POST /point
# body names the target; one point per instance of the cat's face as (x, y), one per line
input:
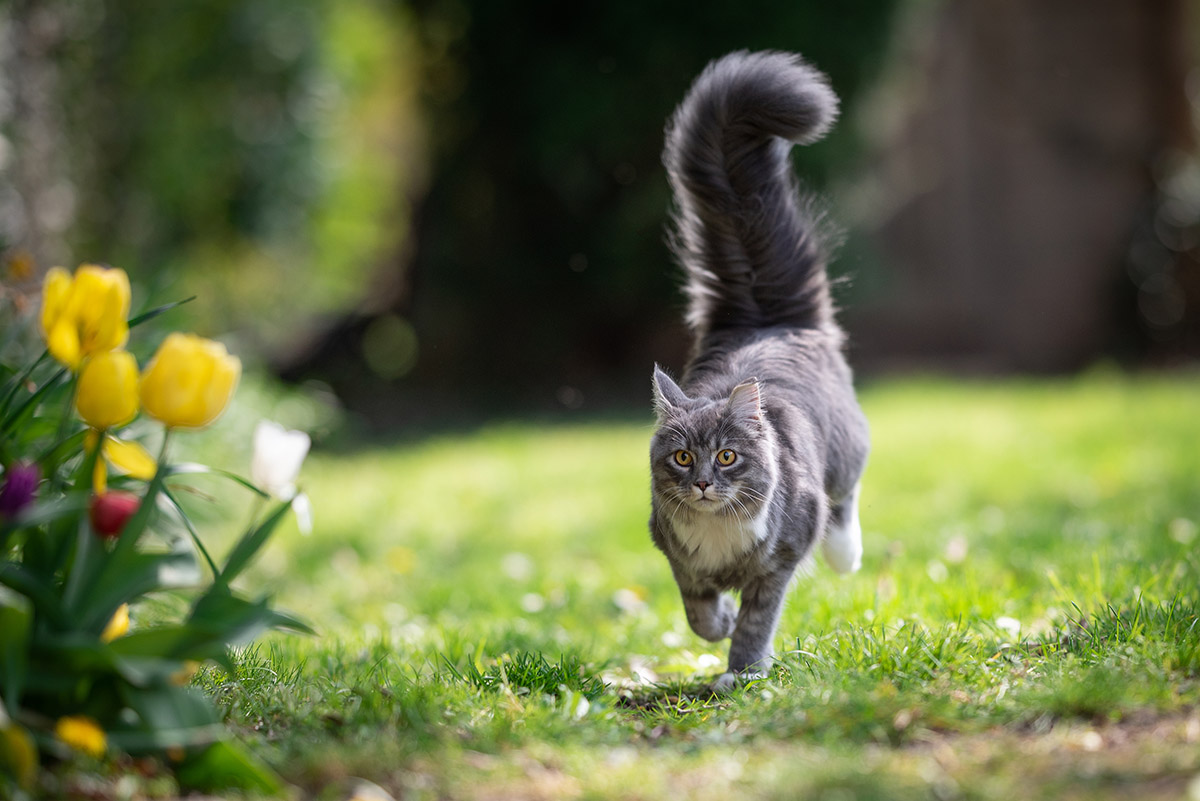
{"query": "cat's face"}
(711, 457)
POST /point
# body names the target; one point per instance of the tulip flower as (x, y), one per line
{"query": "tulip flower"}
(126, 456)
(18, 754)
(275, 464)
(118, 626)
(189, 381)
(83, 734)
(278, 455)
(108, 389)
(186, 673)
(84, 314)
(20, 484)
(129, 457)
(110, 511)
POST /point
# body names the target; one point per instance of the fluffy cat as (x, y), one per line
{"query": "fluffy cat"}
(759, 448)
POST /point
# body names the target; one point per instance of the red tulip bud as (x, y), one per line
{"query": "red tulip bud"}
(110, 511)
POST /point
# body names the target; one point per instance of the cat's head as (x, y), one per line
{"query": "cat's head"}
(711, 456)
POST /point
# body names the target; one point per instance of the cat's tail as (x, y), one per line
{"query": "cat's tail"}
(743, 234)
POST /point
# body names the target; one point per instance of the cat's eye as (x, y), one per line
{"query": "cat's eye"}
(683, 458)
(726, 457)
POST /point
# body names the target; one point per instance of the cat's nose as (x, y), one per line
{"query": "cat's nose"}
(703, 485)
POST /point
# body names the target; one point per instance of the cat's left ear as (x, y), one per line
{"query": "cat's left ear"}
(745, 402)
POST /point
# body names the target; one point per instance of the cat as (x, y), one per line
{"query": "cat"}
(758, 451)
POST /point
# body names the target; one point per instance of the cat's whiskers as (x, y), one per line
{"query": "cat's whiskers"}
(742, 507)
(680, 500)
(762, 498)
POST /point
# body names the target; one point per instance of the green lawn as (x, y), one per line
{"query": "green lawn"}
(495, 624)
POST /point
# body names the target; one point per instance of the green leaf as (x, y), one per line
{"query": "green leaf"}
(227, 766)
(251, 542)
(289, 622)
(18, 381)
(32, 400)
(59, 452)
(169, 717)
(107, 580)
(41, 512)
(62, 511)
(152, 313)
(193, 468)
(140, 573)
(174, 642)
(75, 652)
(234, 620)
(191, 530)
(16, 621)
(45, 601)
(167, 708)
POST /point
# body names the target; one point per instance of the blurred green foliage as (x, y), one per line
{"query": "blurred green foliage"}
(540, 254)
(254, 154)
(447, 193)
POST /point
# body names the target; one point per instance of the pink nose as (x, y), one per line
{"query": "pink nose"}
(703, 485)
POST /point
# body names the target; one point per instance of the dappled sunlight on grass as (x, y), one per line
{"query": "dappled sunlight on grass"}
(493, 599)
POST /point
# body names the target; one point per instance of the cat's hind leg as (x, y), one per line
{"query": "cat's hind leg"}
(842, 545)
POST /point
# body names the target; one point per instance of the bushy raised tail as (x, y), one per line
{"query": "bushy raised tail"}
(742, 233)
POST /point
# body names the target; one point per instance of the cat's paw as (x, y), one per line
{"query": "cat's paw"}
(843, 554)
(727, 682)
(843, 540)
(714, 620)
(724, 683)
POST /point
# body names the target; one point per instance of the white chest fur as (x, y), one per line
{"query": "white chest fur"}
(715, 540)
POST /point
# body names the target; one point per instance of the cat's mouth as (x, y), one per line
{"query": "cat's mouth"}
(705, 502)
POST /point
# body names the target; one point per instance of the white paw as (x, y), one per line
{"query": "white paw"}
(843, 551)
(842, 545)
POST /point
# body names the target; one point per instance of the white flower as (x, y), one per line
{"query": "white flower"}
(303, 510)
(278, 455)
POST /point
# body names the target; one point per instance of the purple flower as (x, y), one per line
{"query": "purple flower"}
(20, 484)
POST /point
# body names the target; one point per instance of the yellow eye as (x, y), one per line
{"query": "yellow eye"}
(726, 457)
(683, 458)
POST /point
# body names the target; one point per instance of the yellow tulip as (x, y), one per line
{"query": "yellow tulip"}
(108, 389)
(184, 675)
(83, 734)
(85, 313)
(127, 456)
(189, 381)
(130, 458)
(118, 626)
(18, 754)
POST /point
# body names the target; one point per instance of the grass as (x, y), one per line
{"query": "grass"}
(495, 623)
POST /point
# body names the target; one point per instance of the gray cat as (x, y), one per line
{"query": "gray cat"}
(759, 449)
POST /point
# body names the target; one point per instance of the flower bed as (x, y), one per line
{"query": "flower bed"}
(90, 525)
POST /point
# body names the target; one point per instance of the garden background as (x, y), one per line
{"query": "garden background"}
(432, 231)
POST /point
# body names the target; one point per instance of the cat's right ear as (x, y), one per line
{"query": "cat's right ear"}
(667, 394)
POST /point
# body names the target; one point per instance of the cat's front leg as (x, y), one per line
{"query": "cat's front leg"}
(711, 614)
(750, 651)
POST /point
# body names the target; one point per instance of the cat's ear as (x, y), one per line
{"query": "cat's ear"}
(667, 394)
(745, 402)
